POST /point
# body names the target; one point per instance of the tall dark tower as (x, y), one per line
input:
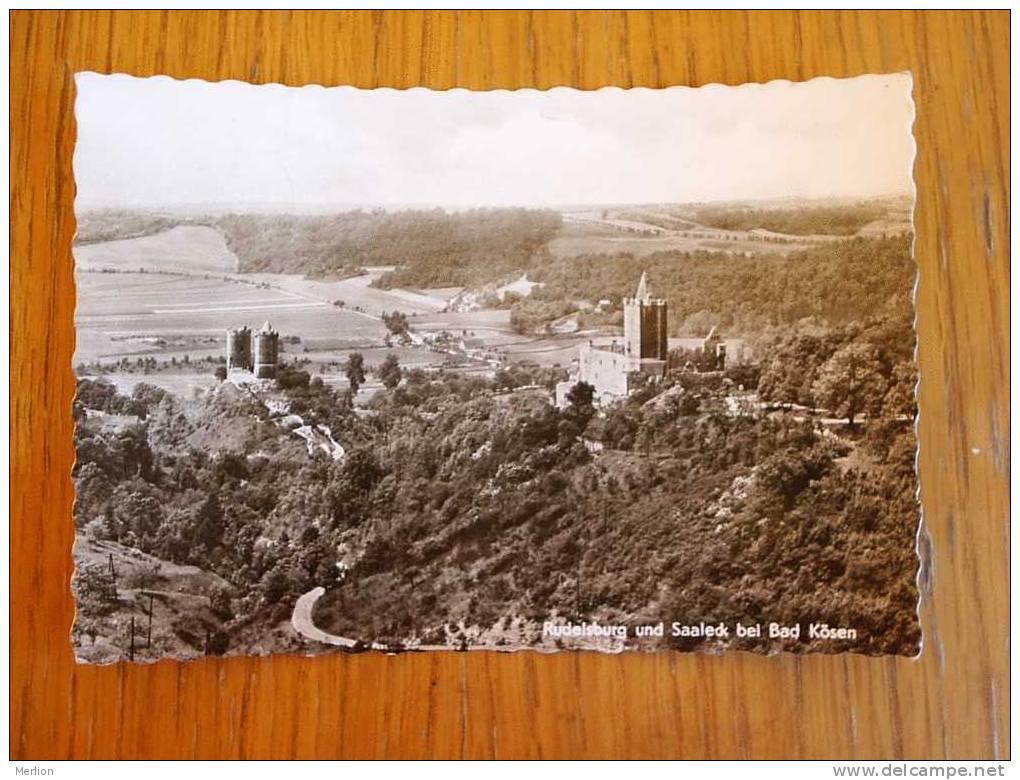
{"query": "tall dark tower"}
(645, 325)
(239, 349)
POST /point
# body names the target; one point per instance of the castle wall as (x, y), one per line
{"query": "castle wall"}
(736, 351)
(632, 326)
(608, 372)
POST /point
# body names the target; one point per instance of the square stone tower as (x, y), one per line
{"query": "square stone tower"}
(645, 325)
(239, 349)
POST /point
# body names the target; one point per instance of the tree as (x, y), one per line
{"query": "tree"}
(354, 368)
(850, 382)
(389, 372)
(147, 396)
(208, 529)
(581, 396)
(579, 411)
(141, 514)
(292, 378)
(97, 594)
(220, 373)
(361, 471)
(111, 526)
(899, 399)
(396, 323)
(791, 367)
(645, 439)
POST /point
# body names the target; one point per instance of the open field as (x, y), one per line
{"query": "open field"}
(591, 236)
(484, 323)
(642, 230)
(188, 248)
(169, 316)
(182, 385)
(355, 292)
(166, 315)
(545, 352)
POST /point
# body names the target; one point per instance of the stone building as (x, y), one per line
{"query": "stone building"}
(611, 368)
(725, 351)
(267, 352)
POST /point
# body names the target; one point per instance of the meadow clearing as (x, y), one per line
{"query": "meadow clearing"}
(150, 306)
(586, 234)
(187, 248)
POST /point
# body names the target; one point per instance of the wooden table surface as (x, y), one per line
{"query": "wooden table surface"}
(952, 701)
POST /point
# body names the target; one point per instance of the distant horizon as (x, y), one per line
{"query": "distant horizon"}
(172, 144)
(336, 208)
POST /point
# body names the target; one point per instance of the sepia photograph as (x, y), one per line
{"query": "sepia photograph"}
(411, 370)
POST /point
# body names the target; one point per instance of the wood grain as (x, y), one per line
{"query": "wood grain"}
(952, 701)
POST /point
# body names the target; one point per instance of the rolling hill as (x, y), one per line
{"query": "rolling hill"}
(185, 248)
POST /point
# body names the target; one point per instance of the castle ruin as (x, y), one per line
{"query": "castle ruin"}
(258, 356)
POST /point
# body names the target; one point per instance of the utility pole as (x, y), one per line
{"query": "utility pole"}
(148, 636)
(577, 583)
(113, 575)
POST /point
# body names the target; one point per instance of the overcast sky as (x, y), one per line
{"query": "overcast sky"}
(161, 142)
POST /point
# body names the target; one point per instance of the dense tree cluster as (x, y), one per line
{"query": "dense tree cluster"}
(113, 224)
(840, 220)
(738, 515)
(858, 369)
(396, 323)
(103, 397)
(832, 284)
(224, 488)
(430, 248)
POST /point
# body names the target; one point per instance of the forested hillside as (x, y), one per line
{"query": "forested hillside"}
(460, 503)
(843, 220)
(832, 284)
(114, 224)
(430, 248)
(437, 248)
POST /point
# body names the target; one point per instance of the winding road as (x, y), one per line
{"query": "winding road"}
(301, 621)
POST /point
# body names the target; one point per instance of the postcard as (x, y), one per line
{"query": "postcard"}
(413, 371)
